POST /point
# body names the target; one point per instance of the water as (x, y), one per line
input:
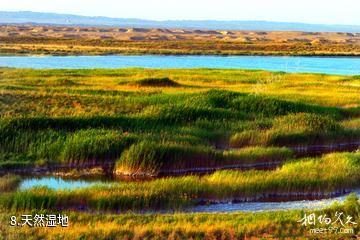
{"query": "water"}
(268, 206)
(342, 66)
(62, 184)
(56, 183)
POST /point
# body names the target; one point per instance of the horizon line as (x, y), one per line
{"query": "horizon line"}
(174, 20)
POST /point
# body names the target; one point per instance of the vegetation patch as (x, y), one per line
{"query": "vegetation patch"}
(297, 129)
(149, 158)
(270, 107)
(9, 183)
(156, 82)
(257, 155)
(94, 146)
(329, 174)
(239, 225)
(46, 118)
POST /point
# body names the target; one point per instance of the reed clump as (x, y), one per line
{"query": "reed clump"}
(94, 146)
(150, 158)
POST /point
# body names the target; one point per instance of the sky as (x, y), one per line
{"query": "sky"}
(306, 11)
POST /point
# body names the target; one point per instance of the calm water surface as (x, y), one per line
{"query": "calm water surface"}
(268, 206)
(57, 183)
(342, 66)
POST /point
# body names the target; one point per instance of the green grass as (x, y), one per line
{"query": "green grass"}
(297, 129)
(85, 116)
(54, 147)
(257, 154)
(270, 107)
(156, 120)
(327, 174)
(272, 224)
(94, 145)
(149, 158)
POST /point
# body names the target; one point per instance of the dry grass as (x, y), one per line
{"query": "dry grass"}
(95, 41)
(47, 92)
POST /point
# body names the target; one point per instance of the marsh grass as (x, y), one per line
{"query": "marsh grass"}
(271, 224)
(271, 107)
(147, 123)
(9, 183)
(150, 158)
(257, 155)
(94, 145)
(351, 124)
(180, 114)
(21, 148)
(302, 122)
(317, 175)
(297, 129)
(52, 116)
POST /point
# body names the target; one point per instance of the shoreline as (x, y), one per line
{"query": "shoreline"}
(205, 54)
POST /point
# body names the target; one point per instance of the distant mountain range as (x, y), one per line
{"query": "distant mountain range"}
(67, 19)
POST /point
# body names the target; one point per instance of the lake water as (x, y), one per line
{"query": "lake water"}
(342, 66)
(59, 183)
(56, 183)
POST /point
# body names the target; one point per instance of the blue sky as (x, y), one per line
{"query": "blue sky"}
(307, 11)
